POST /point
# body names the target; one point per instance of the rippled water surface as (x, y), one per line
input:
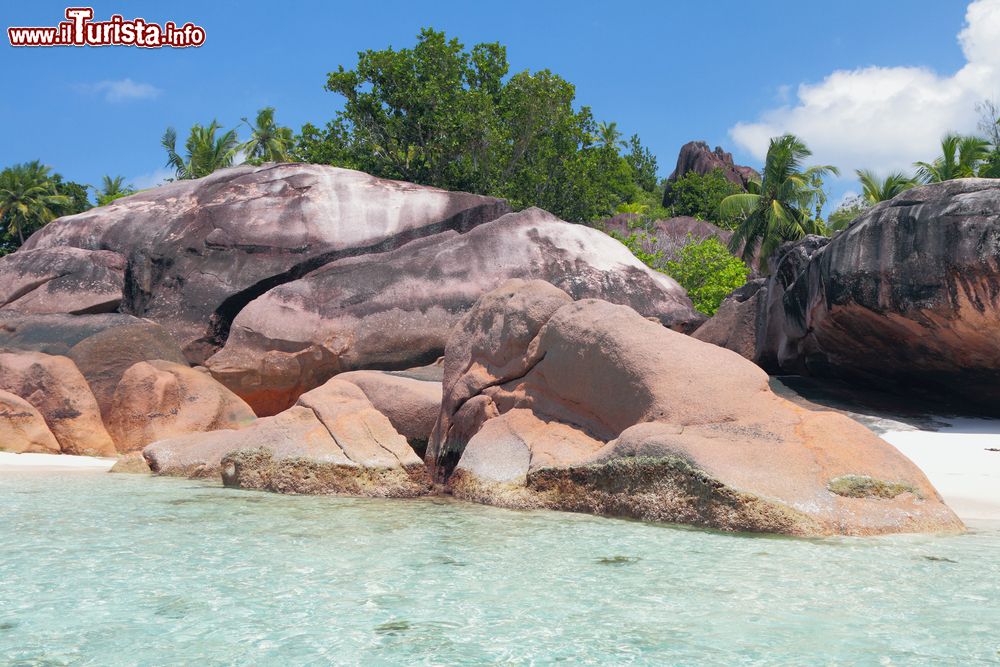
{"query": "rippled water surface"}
(102, 569)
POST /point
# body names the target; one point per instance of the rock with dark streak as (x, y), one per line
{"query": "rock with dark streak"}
(62, 280)
(907, 299)
(197, 251)
(397, 309)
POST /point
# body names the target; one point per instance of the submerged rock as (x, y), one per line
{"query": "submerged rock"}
(198, 250)
(23, 429)
(396, 309)
(331, 441)
(54, 386)
(906, 299)
(62, 280)
(587, 406)
(159, 399)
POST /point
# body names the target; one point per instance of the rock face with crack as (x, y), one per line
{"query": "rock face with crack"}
(906, 299)
(331, 441)
(54, 386)
(197, 251)
(159, 399)
(23, 429)
(411, 399)
(587, 406)
(62, 280)
(396, 310)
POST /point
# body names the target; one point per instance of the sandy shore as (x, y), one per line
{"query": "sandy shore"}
(24, 462)
(962, 460)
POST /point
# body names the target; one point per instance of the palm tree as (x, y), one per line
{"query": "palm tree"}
(112, 189)
(778, 208)
(960, 158)
(205, 152)
(268, 142)
(609, 135)
(876, 189)
(28, 198)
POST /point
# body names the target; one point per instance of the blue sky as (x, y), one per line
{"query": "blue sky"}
(726, 72)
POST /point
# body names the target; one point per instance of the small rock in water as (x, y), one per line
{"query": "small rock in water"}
(617, 560)
(392, 627)
(940, 559)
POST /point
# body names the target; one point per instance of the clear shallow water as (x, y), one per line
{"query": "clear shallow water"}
(101, 569)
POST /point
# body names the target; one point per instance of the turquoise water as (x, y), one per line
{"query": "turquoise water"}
(101, 569)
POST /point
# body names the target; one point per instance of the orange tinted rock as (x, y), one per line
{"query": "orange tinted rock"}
(54, 386)
(622, 416)
(331, 441)
(159, 399)
(22, 427)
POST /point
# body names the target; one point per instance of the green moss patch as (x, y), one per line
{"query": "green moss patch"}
(862, 486)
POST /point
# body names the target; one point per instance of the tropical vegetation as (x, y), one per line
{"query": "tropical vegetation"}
(204, 152)
(708, 271)
(782, 207)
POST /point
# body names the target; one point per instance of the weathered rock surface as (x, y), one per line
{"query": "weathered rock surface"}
(734, 325)
(410, 399)
(695, 156)
(62, 280)
(22, 427)
(54, 386)
(396, 310)
(587, 406)
(103, 346)
(331, 441)
(156, 400)
(906, 299)
(198, 250)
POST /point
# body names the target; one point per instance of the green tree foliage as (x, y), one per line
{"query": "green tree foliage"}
(960, 157)
(269, 142)
(643, 164)
(204, 151)
(441, 115)
(780, 208)
(883, 189)
(112, 189)
(708, 271)
(698, 196)
(29, 199)
(845, 214)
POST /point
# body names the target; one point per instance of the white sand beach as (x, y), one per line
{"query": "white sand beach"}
(23, 462)
(962, 460)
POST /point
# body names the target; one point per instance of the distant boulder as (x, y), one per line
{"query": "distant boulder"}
(697, 157)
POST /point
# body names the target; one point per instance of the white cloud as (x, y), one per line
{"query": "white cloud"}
(886, 118)
(152, 179)
(122, 90)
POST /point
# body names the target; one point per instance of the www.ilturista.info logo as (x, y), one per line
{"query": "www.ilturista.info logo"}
(80, 30)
